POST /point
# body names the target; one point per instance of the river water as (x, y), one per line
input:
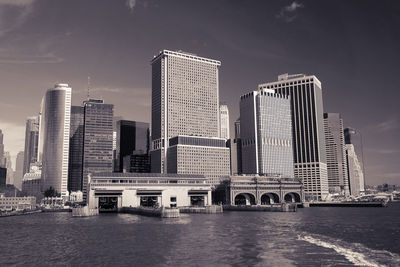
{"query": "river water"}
(309, 237)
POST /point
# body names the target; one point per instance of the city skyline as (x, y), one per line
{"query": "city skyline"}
(34, 56)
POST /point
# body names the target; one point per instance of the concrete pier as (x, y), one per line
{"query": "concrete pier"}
(84, 211)
(284, 207)
(155, 212)
(212, 209)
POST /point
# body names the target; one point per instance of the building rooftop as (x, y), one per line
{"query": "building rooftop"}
(186, 55)
(146, 175)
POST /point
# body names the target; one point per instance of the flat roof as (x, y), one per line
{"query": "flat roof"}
(187, 56)
(146, 175)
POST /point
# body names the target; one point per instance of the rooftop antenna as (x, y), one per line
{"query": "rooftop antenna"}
(88, 87)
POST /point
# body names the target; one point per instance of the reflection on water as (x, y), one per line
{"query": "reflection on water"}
(310, 237)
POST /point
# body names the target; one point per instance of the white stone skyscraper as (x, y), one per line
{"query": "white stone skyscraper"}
(308, 130)
(266, 134)
(224, 121)
(185, 116)
(336, 154)
(54, 137)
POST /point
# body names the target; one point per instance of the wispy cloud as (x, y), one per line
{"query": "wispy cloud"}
(388, 125)
(288, 13)
(47, 58)
(388, 151)
(131, 4)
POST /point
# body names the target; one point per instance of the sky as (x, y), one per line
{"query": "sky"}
(351, 46)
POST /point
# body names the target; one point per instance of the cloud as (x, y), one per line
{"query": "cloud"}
(20, 3)
(131, 4)
(48, 58)
(387, 125)
(288, 13)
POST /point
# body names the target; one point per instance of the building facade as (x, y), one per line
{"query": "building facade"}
(31, 143)
(97, 139)
(308, 131)
(336, 154)
(224, 121)
(76, 149)
(110, 191)
(1, 149)
(54, 143)
(18, 174)
(132, 137)
(185, 106)
(355, 172)
(266, 134)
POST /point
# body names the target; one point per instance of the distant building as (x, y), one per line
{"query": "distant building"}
(54, 137)
(308, 130)
(76, 149)
(97, 140)
(185, 117)
(32, 183)
(224, 121)
(138, 161)
(1, 149)
(336, 154)
(3, 176)
(236, 150)
(132, 136)
(31, 152)
(266, 133)
(17, 203)
(19, 166)
(354, 171)
(8, 165)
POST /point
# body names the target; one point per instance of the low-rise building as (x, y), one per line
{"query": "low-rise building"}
(17, 203)
(262, 190)
(111, 191)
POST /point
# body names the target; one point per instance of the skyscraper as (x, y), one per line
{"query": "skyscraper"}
(1, 149)
(185, 116)
(97, 139)
(131, 136)
(75, 149)
(336, 154)
(236, 149)
(31, 143)
(8, 165)
(266, 133)
(18, 174)
(224, 121)
(308, 130)
(54, 138)
(355, 172)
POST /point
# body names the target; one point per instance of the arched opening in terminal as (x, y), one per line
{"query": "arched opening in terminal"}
(269, 199)
(292, 197)
(245, 199)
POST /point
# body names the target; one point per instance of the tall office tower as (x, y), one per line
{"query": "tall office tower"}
(185, 128)
(355, 172)
(266, 133)
(75, 149)
(132, 136)
(308, 130)
(224, 121)
(31, 143)
(54, 137)
(8, 165)
(238, 144)
(3, 176)
(97, 139)
(18, 174)
(336, 154)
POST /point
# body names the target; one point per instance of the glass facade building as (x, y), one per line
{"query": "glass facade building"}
(131, 136)
(307, 129)
(55, 123)
(97, 139)
(31, 143)
(76, 149)
(336, 154)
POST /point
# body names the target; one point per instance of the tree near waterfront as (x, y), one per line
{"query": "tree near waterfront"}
(51, 192)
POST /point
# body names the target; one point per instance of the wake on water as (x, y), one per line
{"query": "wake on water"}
(357, 254)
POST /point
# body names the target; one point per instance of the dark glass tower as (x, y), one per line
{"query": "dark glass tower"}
(75, 149)
(132, 136)
(31, 143)
(97, 140)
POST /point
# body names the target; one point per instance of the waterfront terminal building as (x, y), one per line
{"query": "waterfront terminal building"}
(112, 191)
